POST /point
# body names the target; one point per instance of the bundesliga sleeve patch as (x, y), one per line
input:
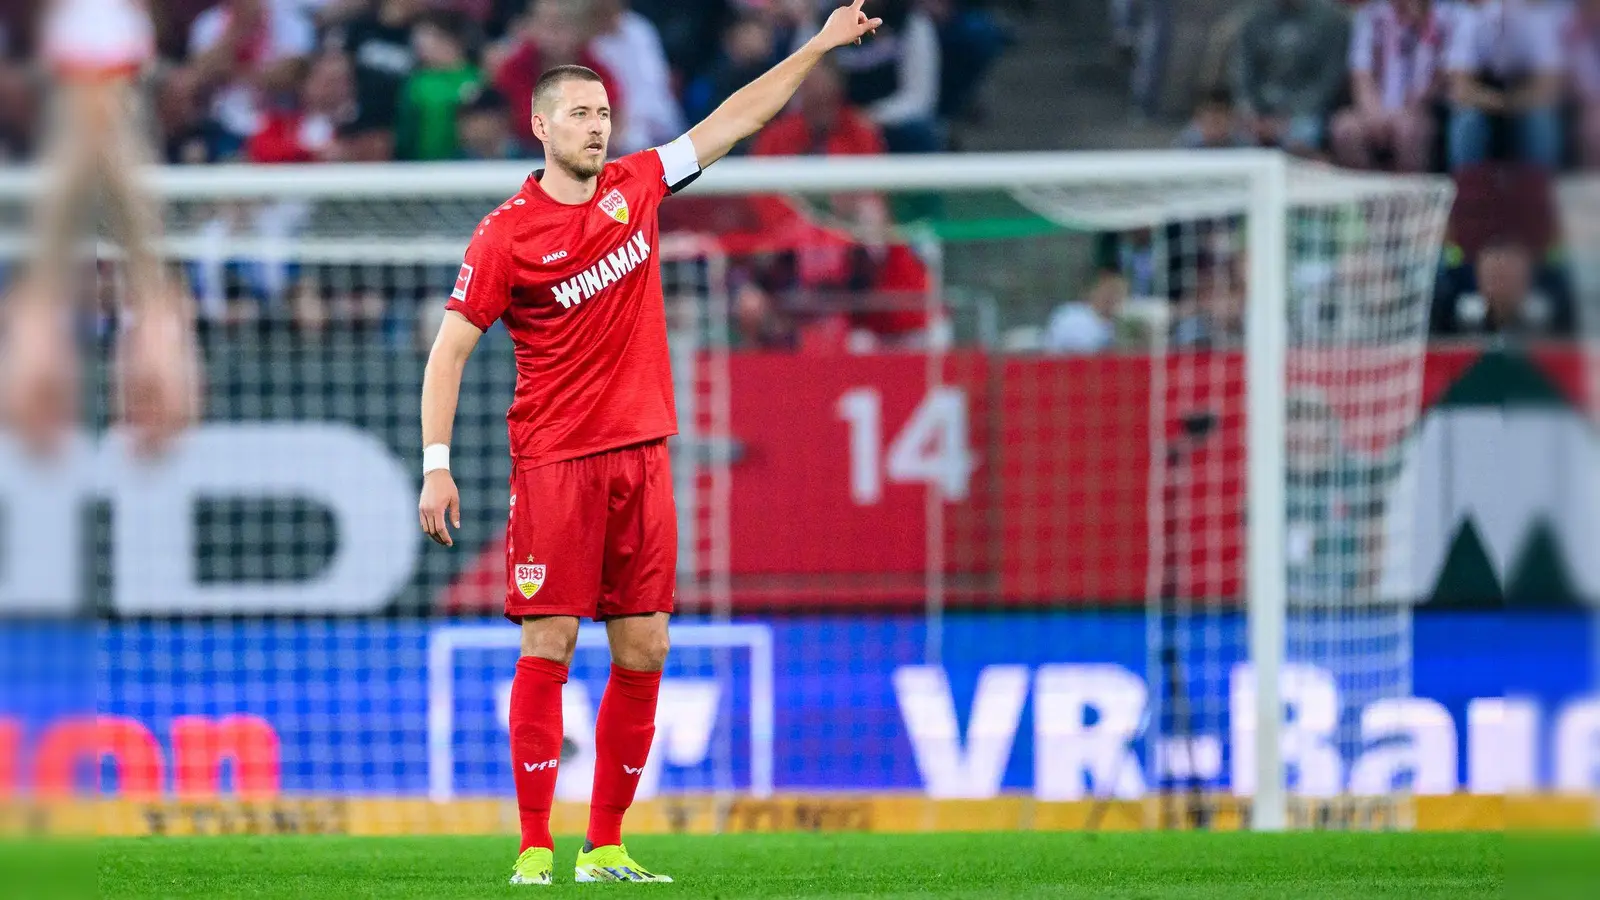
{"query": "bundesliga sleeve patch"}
(463, 279)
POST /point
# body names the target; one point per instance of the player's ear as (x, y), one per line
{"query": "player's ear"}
(541, 128)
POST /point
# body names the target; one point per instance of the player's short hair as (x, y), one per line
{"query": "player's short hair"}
(544, 90)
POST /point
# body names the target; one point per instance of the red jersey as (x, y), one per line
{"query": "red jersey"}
(579, 290)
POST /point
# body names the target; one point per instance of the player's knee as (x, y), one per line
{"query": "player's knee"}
(550, 637)
(644, 650)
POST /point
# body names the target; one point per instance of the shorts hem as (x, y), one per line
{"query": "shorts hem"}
(517, 615)
(645, 610)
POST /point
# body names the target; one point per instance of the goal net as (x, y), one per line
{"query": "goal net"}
(1212, 482)
(999, 478)
(1283, 376)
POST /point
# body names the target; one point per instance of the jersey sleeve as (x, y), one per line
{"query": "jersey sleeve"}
(483, 286)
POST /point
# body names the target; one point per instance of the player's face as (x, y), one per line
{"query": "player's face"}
(577, 128)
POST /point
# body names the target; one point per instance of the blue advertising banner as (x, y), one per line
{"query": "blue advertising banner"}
(1054, 703)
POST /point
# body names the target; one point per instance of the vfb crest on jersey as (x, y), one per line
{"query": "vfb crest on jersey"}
(529, 577)
(615, 206)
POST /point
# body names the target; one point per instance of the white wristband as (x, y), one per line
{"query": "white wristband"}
(435, 456)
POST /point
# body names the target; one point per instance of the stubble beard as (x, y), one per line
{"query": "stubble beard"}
(581, 167)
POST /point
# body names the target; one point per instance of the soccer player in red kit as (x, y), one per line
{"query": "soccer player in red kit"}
(570, 266)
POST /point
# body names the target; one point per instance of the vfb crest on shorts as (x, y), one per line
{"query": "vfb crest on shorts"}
(529, 577)
(615, 206)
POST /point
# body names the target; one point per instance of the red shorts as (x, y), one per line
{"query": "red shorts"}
(595, 536)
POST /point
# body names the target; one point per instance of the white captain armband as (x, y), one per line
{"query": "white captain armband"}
(680, 164)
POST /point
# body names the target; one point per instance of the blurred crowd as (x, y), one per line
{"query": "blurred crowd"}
(309, 81)
(1502, 95)
(271, 81)
(1411, 85)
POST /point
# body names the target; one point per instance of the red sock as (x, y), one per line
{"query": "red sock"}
(536, 744)
(622, 733)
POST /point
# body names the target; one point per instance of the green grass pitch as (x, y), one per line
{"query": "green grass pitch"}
(1299, 866)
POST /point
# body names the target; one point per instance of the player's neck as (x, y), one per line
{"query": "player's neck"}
(564, 187)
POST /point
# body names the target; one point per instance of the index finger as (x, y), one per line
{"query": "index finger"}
(856, 6)
(442, 525)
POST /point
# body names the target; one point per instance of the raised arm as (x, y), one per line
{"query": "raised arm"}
(753, 105)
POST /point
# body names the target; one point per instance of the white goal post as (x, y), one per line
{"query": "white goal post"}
(393, 213)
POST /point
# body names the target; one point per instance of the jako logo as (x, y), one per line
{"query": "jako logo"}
(631, 770)
(535, 767)
(552, 257)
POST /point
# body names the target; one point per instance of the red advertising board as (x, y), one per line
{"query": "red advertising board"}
(1043, 464)
(1024, 480)
(1048, 494)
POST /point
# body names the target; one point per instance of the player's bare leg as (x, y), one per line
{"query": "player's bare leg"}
(547, 644)
(157, 365)
(90, 148)
(624, 728)
(551, 638)
(37, 351)
(38, 367)
(96, 146)
(639, 642)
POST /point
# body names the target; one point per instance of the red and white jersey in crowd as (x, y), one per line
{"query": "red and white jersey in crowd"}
(1403, 57)
(98, 38)
(275, 30)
